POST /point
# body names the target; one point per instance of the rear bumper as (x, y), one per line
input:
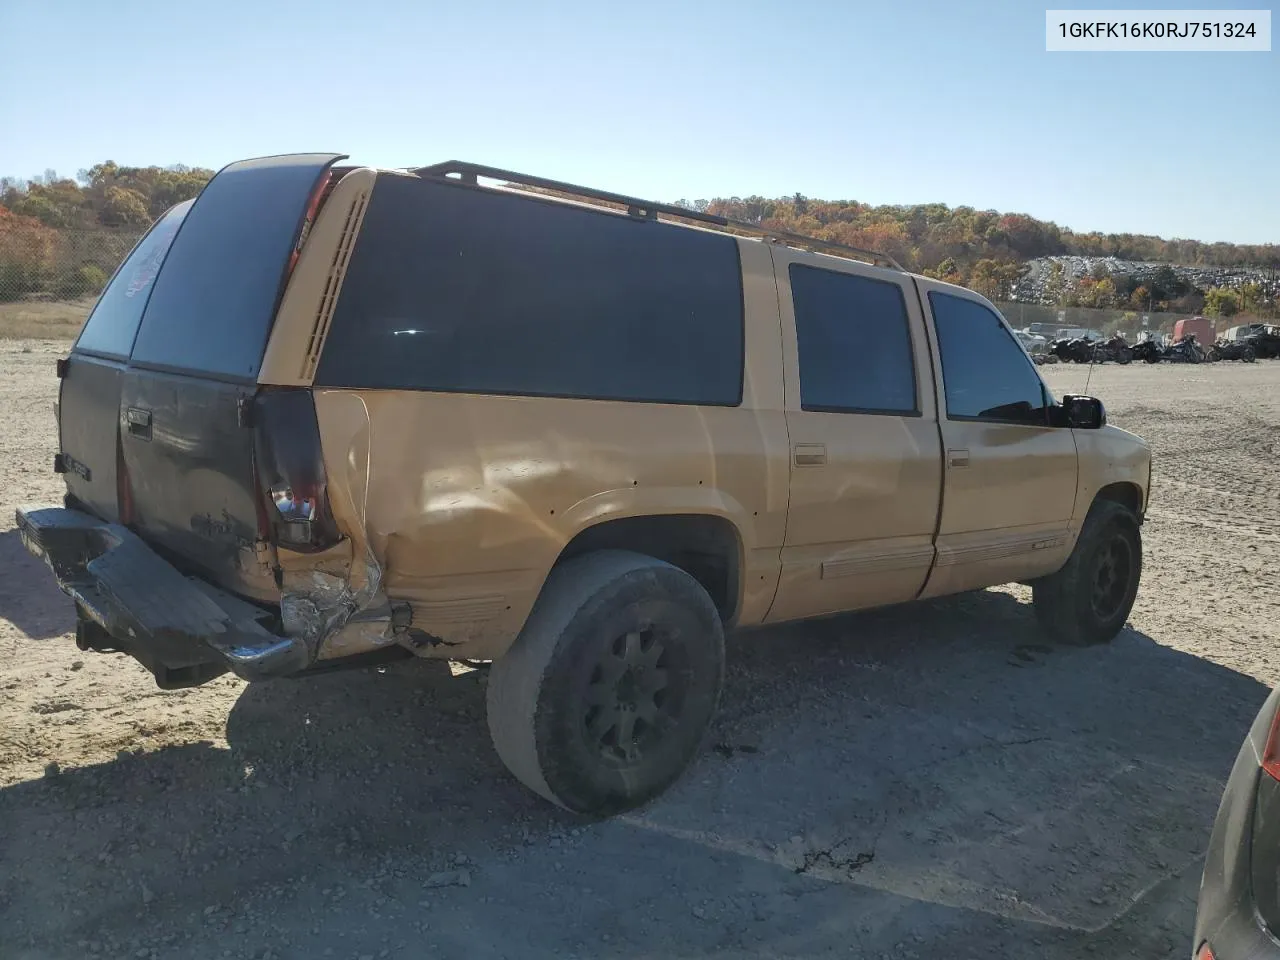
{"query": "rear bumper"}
(184, 630)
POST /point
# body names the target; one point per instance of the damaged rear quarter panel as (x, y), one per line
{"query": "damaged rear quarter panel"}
(464, 502)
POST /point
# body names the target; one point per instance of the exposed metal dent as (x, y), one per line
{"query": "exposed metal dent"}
(313, 605)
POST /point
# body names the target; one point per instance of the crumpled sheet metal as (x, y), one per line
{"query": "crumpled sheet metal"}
(342, 610)
(334, 615)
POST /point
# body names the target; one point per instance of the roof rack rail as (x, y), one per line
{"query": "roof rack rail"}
(643, 209)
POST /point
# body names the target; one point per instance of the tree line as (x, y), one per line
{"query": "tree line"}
(63, 236)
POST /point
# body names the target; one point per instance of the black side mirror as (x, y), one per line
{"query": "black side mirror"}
(1084, 413)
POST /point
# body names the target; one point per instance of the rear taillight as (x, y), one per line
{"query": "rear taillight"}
(290, 469)
(1204, 953)
(1271, 752)
(318, 196)
(125, 507)
(1262, 822)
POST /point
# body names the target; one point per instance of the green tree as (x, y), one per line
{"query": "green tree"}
(1221, 302)
(122, 207)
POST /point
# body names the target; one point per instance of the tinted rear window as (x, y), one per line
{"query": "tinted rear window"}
(457, 289)
(854, 344)
(212, 305)
(113, 323)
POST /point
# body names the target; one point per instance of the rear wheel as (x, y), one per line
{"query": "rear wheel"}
(1089, 599)
(607, 693)
(1248, 354)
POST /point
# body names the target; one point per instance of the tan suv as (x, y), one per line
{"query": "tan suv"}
(327, 413)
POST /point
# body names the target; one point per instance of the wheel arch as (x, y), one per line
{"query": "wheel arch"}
(1124, 492)
(706, 546)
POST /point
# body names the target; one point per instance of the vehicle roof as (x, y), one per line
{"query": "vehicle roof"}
(816, 256)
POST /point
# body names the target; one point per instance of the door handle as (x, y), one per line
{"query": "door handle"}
(139, 421)
(957, 458)
(810, 454)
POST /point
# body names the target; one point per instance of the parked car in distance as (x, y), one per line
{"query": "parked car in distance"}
(1034, 344)
(324, 415)
(1265, 341)
(1238, 915)
(1243, 331)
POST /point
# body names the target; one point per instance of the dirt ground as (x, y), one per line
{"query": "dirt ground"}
(25, 319)
(928, 781)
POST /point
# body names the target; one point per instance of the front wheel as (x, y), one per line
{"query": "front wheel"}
(1089, 599)
(1248, 355)
(607, 693)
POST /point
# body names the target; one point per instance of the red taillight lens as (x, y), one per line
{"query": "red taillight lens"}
(1204, 953)
(1271, 752)
(125, 507)
(291, 474)
(318, 196)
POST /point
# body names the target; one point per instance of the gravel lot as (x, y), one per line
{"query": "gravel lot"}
(934, 780)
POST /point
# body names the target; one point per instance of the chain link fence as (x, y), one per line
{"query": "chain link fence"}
(1051, 322)
(50, 278)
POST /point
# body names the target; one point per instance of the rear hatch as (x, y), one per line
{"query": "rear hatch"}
(171, 454)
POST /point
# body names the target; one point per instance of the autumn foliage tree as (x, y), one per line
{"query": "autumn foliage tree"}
(63, 237)
(28, 253)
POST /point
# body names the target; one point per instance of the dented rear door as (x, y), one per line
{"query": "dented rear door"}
(92, 376)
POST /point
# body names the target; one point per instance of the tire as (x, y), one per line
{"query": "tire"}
(607, 629)
(1152, 357)
(1124, 356)
(1248, 355)
(1080, 605)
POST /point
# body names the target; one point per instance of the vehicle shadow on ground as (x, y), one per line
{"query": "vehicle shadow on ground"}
(911, 775)
(29, 597)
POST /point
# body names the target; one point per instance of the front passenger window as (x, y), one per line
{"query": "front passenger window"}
(986, 374)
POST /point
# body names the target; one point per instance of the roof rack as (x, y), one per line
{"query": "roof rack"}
(643, 209)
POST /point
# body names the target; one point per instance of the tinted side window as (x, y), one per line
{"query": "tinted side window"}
(986, 375)
(456, 289)
(114, 321)
(854, 343)
(213, 304)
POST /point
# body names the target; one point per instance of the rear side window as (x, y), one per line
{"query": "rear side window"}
(855, 346)
(114, 321)
(213, 303)
(456, 289)
(985, 374)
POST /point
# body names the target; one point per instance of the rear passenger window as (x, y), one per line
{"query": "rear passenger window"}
(457, 289)
(854, 342)
(114, 321)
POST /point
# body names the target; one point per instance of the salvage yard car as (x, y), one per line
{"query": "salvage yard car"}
(1238, 916)
(326, 414)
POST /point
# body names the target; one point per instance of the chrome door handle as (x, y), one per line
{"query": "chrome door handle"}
(810, 454)
(139, 422)
(957, 458)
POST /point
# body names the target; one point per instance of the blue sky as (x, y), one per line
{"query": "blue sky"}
(880, 102)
